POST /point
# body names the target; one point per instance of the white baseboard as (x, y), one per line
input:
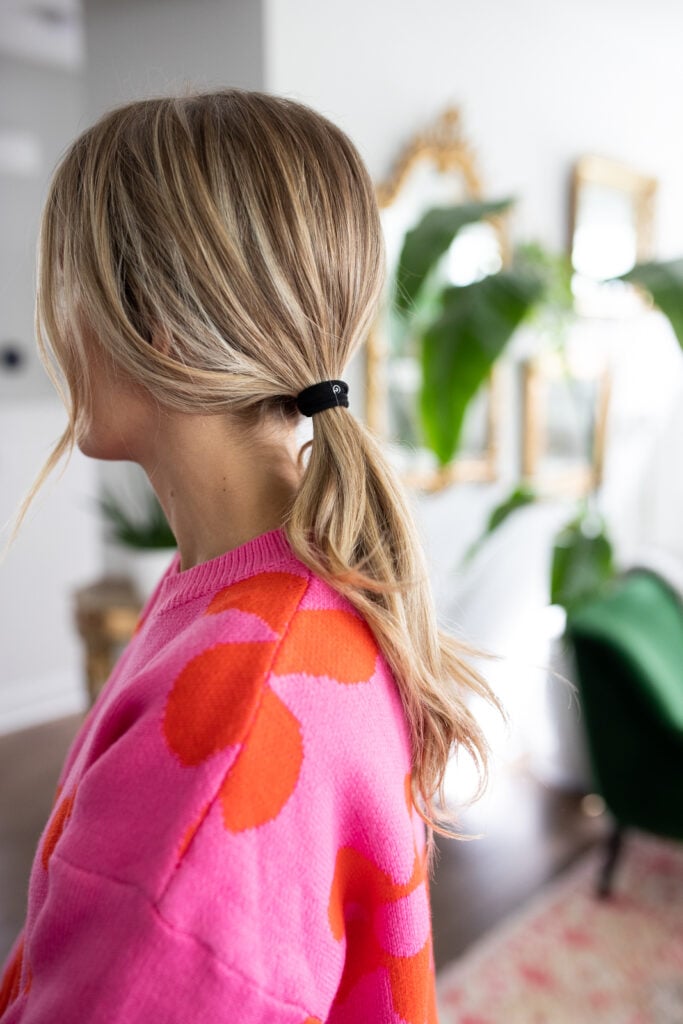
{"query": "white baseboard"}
(28, 702)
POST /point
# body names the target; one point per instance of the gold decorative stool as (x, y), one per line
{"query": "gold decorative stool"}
(106, 613)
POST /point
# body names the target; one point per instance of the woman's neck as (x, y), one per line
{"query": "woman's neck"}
(216, 488)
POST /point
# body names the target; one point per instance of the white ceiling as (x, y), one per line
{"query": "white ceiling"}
(46, 31)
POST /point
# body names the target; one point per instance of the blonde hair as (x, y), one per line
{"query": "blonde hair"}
(245, 226)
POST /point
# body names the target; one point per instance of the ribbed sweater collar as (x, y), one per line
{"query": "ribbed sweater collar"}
(257, 555)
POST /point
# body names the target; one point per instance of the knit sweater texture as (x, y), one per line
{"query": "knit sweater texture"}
(233, 837)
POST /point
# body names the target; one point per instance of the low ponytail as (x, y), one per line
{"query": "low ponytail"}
(352, 525)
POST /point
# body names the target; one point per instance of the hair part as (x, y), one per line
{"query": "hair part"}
(245, 227)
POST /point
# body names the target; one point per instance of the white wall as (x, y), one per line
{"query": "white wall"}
(41, 674)
(43, 105)
(538, 85)
(58, 550)
(158, 47)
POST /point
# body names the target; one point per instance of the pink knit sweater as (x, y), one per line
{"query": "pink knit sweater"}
(233, 838)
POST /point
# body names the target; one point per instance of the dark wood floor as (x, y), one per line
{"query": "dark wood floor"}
(531, 833)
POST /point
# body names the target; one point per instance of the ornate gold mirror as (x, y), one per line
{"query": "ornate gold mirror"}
(437, 168)
(610, 230)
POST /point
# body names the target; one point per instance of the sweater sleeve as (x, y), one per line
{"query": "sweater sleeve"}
(103, 953)
(149, 913)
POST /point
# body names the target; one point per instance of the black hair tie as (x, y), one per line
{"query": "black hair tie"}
(322, 396)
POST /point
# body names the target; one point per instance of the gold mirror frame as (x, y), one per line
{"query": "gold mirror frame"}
(592, 169)
(537, 375)
(577, 480)
(444, 145)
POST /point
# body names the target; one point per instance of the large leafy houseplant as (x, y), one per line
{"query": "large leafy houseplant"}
(583, 566)
(459, 331)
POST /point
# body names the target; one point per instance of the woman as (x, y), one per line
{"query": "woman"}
(239, 827)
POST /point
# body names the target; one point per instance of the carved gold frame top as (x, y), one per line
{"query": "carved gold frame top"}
(444, 144)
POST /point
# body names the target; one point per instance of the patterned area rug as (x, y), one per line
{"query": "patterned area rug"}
(570, 958)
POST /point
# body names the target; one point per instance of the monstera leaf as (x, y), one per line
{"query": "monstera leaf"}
(426, 243)
(664, 282)
(459, 349)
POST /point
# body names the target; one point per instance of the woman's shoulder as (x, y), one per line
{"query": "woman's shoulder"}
(302, 623)
(327, 637)
(331, 674)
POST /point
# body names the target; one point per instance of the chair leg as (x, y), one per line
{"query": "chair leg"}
(614, 846)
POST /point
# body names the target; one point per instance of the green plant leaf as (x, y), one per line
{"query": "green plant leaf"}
(425, 244)
(582, 564)
(519, 498)
(555, 270)
(459, 349)
(664, 282)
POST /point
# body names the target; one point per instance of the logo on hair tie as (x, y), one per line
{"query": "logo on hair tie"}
(322, 396)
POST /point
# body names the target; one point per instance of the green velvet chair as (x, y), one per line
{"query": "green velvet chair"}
(628, 648)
